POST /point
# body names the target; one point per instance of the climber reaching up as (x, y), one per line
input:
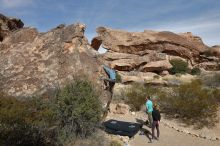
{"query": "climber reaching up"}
(109, 82)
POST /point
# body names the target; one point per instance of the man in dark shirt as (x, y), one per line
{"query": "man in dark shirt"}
(156, 120)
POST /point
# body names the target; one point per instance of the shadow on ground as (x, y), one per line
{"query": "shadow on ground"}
(144, 131)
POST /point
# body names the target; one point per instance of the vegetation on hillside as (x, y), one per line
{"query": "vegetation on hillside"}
(181, 67)
(192, 103)
(211, 80)
(136, 95)
(118, 78)
(78, 110)
(73, 113)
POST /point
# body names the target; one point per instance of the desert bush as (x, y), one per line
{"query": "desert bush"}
(195, 71)
(192, 102)
(74, 112)
(211, 80)
(156, 77)
(118, 78)
(115, 143)
(136, 95)
(22, 123)
(179, 66)
(178, 74)
(216, 94)
(97, 139)
(79, 110)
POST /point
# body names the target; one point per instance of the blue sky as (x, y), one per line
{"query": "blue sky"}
(202, 17)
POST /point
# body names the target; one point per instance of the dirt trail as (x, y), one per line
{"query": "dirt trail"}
(168, 137)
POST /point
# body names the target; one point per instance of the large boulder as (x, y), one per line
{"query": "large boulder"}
(136, 76)
(36, 63)
(151, 51)
(211, 66)
(214, 51)
(157, 66)
(138, 43)
(190, 37)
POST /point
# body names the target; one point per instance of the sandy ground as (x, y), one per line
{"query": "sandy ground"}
(168, 137)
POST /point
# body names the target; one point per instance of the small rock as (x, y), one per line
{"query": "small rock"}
(185, 131)
(176, 115)
(213, 139)
(125, 139)
(121, 109)
(196, 135)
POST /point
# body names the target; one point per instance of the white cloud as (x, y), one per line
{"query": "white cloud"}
(7, 4)
(206, 27)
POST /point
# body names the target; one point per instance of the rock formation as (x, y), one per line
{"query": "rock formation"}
(33, 62)
(8, 25)
(36, 63)
(214, 51)
(150, 51)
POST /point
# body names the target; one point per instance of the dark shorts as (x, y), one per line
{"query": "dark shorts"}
(155, 123)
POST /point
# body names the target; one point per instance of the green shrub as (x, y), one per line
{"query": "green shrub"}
(179, 66)
(23, 123)
(211, 80)
(79, 110)
(156, 77)
(118, 78)
(195, 71)
(136, 95)
(97, 139)
(178, 74)
(193, 103)
(74, 112)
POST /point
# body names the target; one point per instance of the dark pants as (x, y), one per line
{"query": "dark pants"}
(155, 125)
(110, 83)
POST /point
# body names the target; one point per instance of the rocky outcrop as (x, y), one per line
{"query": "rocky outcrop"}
(150, 51)
(138, 42)
(119, 108)
(136, 76)
(36, 63)
(190, 37)
(157, 66)
(214, 51)
(211, 65)
(7, 25)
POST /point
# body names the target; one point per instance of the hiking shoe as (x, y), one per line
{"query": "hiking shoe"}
(156, 138)
(141, 133)
(150, 141)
